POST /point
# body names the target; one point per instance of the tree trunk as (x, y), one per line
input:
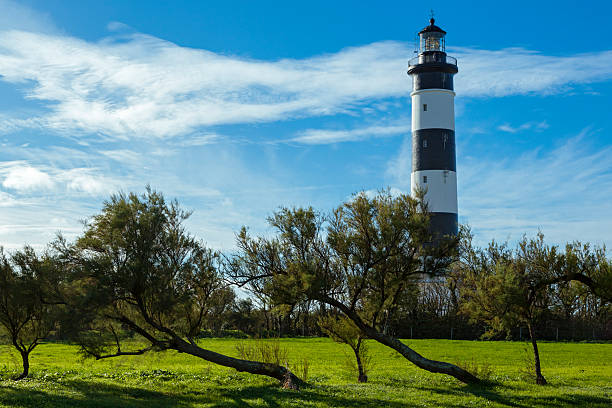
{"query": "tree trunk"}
(422, 362)
(282, 374)
(411, 355)
(25, 358)
(362, 375)
(536, 356)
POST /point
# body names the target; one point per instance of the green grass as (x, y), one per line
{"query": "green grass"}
(580, 374)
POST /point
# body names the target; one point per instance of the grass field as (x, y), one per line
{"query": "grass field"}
(579, 375)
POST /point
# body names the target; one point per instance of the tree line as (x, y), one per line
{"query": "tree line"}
(370, 269)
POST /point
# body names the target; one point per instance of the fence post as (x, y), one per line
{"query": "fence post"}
(557, 334)
(520, 333)
(451, 333)
(411, 332)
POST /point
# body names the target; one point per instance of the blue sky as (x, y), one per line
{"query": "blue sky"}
(237, 108)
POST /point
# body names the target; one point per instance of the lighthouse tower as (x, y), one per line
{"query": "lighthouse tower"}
(433, 129)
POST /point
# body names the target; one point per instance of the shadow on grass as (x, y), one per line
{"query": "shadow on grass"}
(78, 393)
(85, 394)
(488, 392)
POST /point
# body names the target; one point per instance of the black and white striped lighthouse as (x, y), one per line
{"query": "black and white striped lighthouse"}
(433, 129)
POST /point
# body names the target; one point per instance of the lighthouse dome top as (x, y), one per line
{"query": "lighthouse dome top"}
(432, 28)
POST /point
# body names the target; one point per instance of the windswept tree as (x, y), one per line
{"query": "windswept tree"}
(505, 288)
(361, 260)
(29, 310)
(137, 270)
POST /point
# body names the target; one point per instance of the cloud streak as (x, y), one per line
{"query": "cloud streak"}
(537, 126)
(566, 189)
(329, 136)
(137, 85)
(517, 71)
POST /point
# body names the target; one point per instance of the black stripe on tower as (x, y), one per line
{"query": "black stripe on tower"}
(433, 149)
(432, 80)
(442, 224)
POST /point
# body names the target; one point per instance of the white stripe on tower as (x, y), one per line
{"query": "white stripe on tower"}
(441, 186)
(440, 105)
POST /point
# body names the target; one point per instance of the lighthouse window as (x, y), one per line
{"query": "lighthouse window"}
(424, 107)
(424, 142)
(425, 179)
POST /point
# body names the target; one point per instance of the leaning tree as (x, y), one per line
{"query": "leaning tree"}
(29, 306)
(505, 288)
(361, 260)
(137, 271)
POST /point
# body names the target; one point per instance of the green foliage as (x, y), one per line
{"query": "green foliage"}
(342, 330)
(589, 266)
(481, 369)
(362, 260)
(29, 311)
(364, 256)
(273, 352)
(505, 288)
(139, 272)
(138, 269)
(266, 351)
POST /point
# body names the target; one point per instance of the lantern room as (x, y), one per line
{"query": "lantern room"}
(432, 38)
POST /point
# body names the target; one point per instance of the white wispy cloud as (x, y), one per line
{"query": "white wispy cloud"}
(6, 200)
(15, 16)
(565, 192)
(137, 85)
(328, 136)
(35, 221)
(41, 198)
(537, 126)
(122, 155)
(224, 191)
(399, 167)
(144, 86)
(85, 181)
(23, 177)
(199, 140)
(517, 71)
